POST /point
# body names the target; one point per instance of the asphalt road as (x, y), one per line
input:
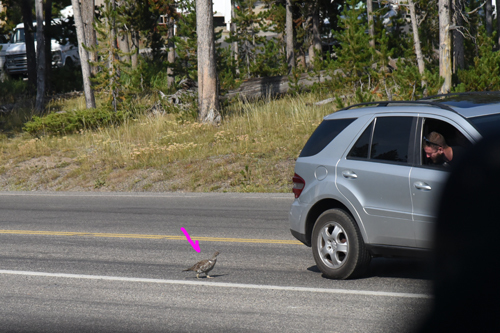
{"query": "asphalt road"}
(86, 262)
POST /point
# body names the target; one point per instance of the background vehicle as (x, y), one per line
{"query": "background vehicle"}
(64, 53)
(364, 186)
(4, 43)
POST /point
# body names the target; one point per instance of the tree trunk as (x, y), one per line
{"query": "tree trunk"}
(371, 24)
(234, 45)
(445, 45)
(113, 46)
(40, 53)
(290, 53)
(135, 48)
(458, 38)
(208, 94)
(315, 49)
(88, 13)
(488, 11)
(124, 46)
(301, 59)
(84, 58)
(123, 37)
(497, 5)
(416, 41)
(30, 43)
(171, 52)
(246, 47)
(48, 42)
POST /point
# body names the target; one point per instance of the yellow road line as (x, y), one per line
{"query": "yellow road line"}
(170, 237)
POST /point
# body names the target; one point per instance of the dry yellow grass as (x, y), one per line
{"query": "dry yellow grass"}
(253, 150)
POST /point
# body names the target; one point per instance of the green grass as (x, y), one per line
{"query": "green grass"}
(253, 150)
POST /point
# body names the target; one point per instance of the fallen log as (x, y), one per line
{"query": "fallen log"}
(271, 86)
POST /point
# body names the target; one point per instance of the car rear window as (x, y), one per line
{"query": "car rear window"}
(323, 135)
(486, 125)
(389, 141)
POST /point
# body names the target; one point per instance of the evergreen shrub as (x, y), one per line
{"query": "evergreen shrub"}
(72, 121)
(11, 89)
(485, 74)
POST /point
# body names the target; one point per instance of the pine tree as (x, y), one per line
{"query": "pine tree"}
(275, 14)
(270, 59)
(186, 43)
(353, 53)
(301, 14)
(108, 79)
(485, 74)
(428, 31)
(273, 59)
(380, 72)
(248, 25)
(155, 33)
(407, 81)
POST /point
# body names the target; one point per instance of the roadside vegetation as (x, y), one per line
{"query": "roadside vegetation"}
(145, 132)
(253, 150)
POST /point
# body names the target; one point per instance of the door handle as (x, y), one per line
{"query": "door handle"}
(349, 174)
(422, 186)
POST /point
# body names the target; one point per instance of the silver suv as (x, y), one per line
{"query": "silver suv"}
(368, 179)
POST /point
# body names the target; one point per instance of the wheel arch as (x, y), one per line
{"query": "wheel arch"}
(318, 209)
(68, 61)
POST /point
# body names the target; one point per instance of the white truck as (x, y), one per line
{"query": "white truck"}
(63, 54)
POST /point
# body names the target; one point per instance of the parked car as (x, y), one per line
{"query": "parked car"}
(364, 185)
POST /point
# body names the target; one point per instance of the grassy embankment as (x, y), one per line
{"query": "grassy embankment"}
(253, 150)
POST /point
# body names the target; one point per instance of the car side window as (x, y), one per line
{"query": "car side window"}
(440, 138)
(386, 139)
(361, 147)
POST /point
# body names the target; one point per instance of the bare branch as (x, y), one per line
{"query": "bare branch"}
(423, 19)
(463, 31)
(475, 10)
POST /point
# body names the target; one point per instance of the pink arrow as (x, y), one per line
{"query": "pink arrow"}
(193, 244)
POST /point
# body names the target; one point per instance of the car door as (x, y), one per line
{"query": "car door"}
(427, 181)
(374, 176)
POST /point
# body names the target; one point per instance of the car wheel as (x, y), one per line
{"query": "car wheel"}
(337, 245)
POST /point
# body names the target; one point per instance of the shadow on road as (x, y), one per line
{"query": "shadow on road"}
(203, 277)
(394, 268)
(400, 268)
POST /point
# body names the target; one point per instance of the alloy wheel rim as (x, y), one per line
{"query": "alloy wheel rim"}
(333, 245)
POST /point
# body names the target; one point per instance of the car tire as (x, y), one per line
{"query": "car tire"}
(337, 245)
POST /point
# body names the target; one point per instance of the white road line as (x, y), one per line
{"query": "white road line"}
(218, 284)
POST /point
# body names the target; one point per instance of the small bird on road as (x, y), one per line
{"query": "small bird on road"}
(204, 266)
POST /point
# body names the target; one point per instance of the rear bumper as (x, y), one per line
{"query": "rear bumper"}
(297, 221)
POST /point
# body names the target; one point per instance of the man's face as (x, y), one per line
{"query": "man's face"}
(435, 154)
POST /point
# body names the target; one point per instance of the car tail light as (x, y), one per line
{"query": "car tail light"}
(298, 185)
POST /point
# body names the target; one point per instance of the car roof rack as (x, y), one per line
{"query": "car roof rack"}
(461, 94)
(386, 103)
